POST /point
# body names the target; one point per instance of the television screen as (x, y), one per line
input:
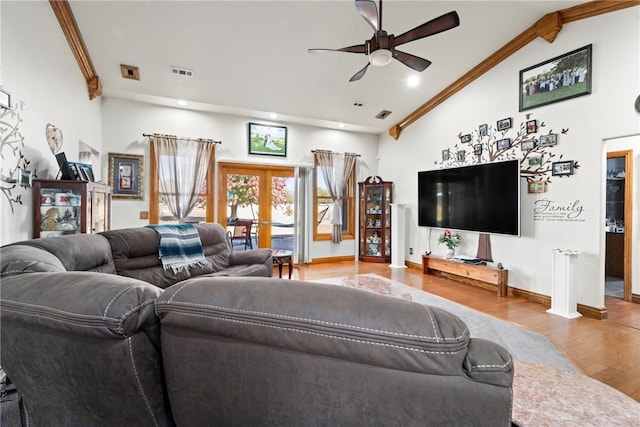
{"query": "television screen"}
(483, 198)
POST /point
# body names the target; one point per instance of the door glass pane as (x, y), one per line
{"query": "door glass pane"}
(282, 212)
(243, 192)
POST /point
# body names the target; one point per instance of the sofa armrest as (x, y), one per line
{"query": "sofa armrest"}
(254, 256)
(88, 304)
(489, 363)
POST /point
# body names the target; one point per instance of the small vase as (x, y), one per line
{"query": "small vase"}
(451, 252)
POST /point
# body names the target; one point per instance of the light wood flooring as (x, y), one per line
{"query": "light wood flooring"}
(606, 350)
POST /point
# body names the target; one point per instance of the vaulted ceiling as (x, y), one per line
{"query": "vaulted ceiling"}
(251, 58)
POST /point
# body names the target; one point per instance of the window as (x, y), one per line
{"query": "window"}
(158, 210)
(323, 211)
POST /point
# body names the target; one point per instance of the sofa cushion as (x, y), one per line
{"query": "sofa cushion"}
(76, 252)
(20, 259)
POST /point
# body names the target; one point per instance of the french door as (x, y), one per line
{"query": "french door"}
(263, 193)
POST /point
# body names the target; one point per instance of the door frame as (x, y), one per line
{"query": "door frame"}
(628, 215)
(265, 172)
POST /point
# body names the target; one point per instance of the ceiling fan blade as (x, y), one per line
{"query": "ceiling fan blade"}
(359, 74)
(369, 12)
(359, 48)
(443, 23)
(411, 61)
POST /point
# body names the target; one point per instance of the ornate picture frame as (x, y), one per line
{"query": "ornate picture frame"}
(126, 175)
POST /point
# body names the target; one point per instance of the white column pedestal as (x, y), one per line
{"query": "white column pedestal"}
(563, 294)
(397, 236)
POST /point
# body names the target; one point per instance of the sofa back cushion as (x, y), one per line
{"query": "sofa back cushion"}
(135, 254)
(20, 259)
(76, 252)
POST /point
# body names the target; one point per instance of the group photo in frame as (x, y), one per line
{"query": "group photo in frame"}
(528, 144)
(126, 172)
(267, 140)
(465, 138)
(557, 79)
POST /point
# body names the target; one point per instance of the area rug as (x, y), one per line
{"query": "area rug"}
(548, 391)
(522, 343)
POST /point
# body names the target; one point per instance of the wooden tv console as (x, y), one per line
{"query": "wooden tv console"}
(474, 274)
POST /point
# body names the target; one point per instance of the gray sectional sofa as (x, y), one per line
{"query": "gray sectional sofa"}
(96, 333)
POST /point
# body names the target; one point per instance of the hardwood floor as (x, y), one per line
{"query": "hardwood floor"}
(606, 350)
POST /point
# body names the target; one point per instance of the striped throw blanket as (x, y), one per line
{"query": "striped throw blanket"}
(180, 246)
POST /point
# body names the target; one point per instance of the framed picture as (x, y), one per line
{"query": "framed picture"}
(445, 155)
(267, 140)
(504, 124)
(25, 179)
(477, 149)
(548, 140)
(528, 144)
(87, 171)
(532, 127)
(503, 144)
(557, 79)
(461, 155)
(537, 187)
(562, 168)
(126, 175)
(535, 160)
(465, 138)
(482, 130)
(5, 99)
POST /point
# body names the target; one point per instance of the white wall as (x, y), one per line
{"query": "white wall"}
(124, 122)
(39, 70)
(606, 113)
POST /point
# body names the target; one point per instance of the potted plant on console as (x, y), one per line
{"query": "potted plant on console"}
(451, 240)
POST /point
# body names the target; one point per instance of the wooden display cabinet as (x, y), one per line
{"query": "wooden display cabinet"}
(375, 220)
(70, 207)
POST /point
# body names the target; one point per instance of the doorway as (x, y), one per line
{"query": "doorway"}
(618, 224)
(264, 194)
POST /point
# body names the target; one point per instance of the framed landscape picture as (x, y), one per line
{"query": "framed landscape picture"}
(267, 140)
(125, 175)
(557, 79)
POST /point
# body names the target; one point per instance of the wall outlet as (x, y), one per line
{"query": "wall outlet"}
(144, 214)
(410, 251)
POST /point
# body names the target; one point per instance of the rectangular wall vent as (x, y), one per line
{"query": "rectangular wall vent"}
(181, 71)
(383, 114)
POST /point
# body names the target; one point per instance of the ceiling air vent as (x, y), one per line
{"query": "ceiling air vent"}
(359, 104)
(181, 71)
(130, 72)
(383, 114)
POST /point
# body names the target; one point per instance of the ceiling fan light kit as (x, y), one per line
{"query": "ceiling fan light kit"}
(381, 48)
(380, 57)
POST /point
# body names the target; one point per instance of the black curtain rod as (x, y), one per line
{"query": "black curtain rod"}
(149, 135)
(329, 151)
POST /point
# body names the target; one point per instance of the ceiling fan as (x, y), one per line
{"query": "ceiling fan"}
(381, 48)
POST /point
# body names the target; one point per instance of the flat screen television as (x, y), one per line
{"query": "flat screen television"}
(483, 198)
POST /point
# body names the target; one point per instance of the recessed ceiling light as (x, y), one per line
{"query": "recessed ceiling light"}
(341, 125)
(181, 103)
(273, 115)
(413, 81)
